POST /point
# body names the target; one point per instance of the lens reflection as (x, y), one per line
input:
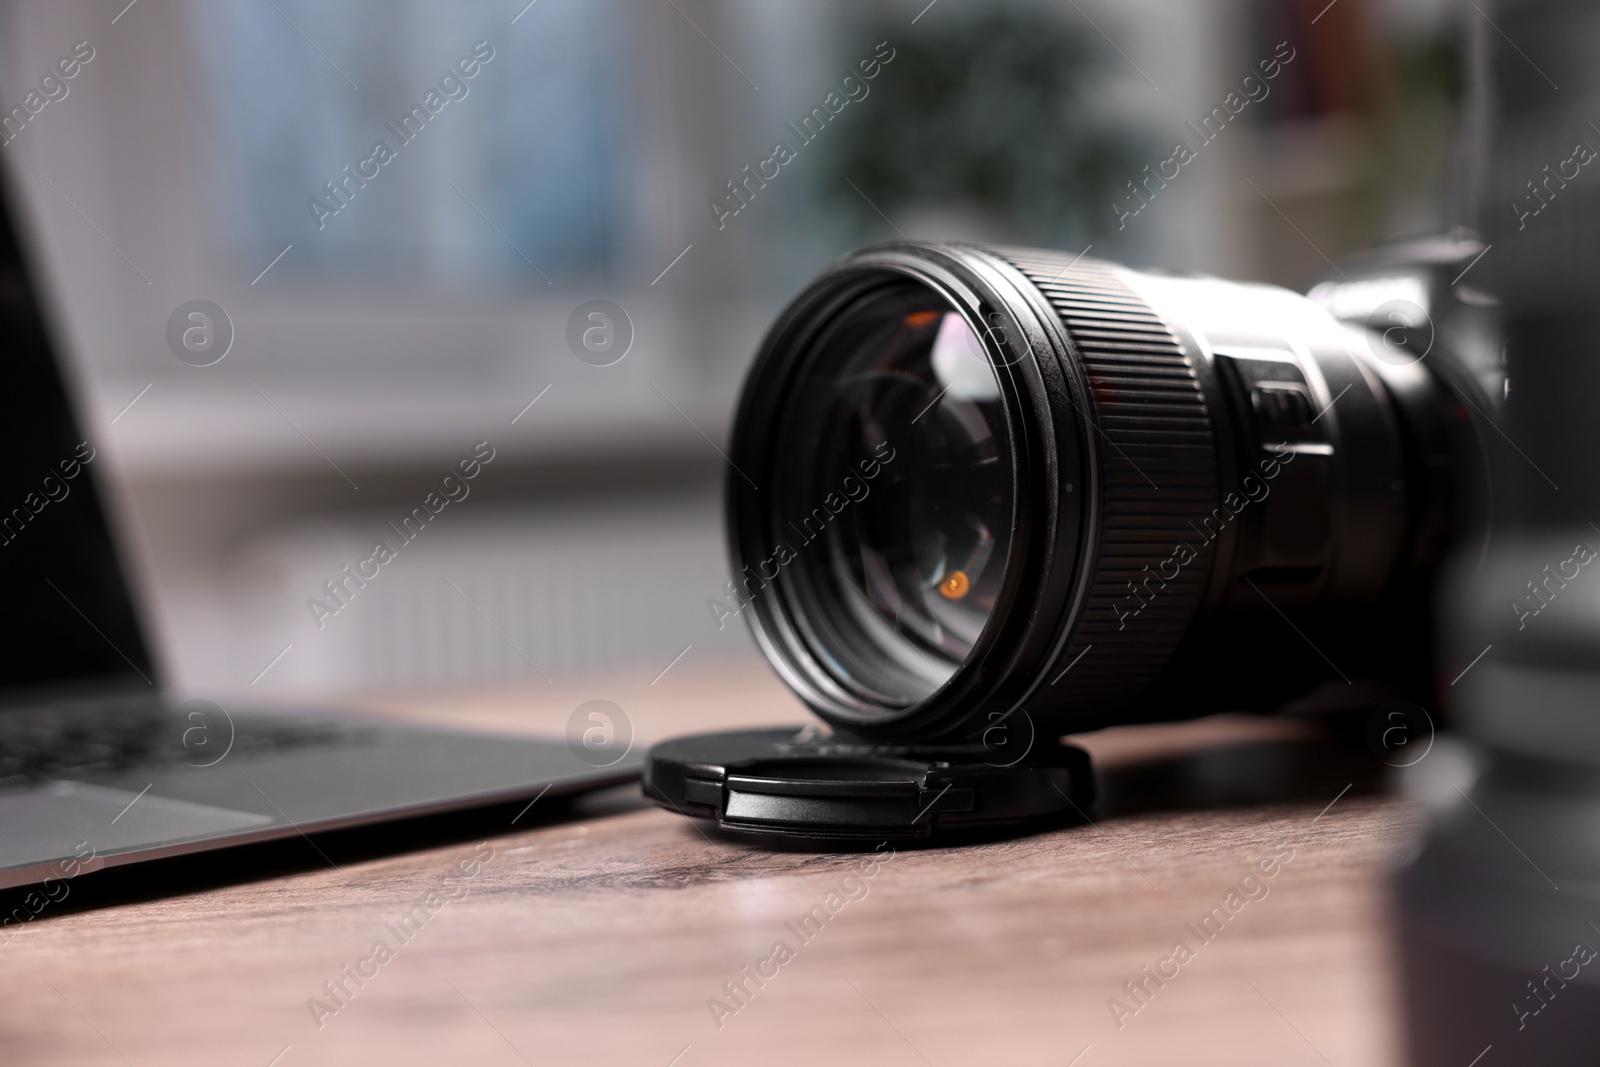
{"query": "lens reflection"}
(897, 494)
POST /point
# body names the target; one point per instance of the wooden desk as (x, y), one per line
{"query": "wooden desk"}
(600, 939)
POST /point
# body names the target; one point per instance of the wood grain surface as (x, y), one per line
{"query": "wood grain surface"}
(607, 934)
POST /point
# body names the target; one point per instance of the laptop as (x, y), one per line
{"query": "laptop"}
(98, 768)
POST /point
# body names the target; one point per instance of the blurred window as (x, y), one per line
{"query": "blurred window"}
(532, 144)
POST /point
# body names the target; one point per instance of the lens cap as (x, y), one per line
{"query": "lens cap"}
(800, 784)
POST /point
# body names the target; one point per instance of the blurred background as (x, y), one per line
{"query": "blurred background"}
(382, 327)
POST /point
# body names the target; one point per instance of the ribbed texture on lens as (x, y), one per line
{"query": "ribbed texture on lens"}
(1159, 460)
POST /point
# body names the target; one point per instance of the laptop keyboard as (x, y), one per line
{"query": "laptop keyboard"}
(89, 740)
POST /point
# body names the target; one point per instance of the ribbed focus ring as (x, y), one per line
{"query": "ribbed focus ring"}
(1158, 461)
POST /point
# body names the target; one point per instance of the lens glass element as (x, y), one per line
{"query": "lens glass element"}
(893, 501)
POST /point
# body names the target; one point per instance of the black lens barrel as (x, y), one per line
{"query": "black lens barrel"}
(1156, 476)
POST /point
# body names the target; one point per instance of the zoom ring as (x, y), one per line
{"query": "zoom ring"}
(1158, 461)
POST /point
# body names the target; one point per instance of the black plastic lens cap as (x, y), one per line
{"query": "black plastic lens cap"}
(794, 783)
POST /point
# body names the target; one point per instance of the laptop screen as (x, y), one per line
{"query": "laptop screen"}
(66, 617)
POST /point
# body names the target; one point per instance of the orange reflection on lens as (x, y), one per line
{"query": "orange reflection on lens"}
(956, 586)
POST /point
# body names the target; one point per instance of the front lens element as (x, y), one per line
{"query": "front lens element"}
(894, 493)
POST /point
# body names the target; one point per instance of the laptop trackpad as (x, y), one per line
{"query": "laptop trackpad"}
(49, 823)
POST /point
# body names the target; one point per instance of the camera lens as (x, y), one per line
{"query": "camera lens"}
(903, 502)
(974, 481)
